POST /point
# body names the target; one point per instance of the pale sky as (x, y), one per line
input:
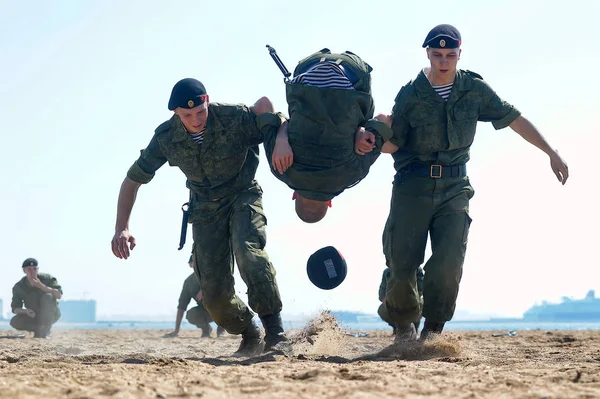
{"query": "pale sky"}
(84, 85)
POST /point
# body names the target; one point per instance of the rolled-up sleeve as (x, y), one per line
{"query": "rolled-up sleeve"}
(268, 125)
(381, 129)
(184, 299)
(150, 160)
(249, 126)
(494, 109)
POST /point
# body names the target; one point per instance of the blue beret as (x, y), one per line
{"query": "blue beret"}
(30, 262)
(443, 36)
(326, 268)
(187, 93)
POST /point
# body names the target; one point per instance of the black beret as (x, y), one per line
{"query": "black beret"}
(187, 93)
(326, 268)
(30, 262)
(443, 36)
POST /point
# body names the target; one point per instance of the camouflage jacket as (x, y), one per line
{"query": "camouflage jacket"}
(321, 130)
(22, 292)
(191, 288)
(223, 165)
(428, 129)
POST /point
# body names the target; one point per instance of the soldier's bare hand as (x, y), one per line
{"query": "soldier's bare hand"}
(387, 119)
(122, 243)
(364, 141)
(283, 157)
(172, 334)
(35, 282)
(559, 167)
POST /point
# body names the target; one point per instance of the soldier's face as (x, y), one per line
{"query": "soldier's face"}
(443, 61)
(31, 271)
(193, 119)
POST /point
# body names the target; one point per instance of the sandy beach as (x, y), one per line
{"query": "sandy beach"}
(327, 362)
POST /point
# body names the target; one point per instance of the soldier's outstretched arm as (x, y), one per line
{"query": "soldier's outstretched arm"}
(122, 242)
(529, 132)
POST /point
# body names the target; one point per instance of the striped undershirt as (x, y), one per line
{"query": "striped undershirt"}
(198, 137)
(443, 90)
(324, 74)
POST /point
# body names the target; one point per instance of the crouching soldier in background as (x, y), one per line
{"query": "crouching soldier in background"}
(39, 292)
(197, 315)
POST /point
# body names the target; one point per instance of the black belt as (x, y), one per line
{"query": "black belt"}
(436, 171)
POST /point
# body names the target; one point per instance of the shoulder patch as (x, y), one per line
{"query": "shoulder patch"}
(403, 89)
(163, 127)
(474, 74)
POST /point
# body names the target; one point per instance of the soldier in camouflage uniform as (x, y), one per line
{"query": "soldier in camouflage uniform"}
(434, 120)
(198, 315)
(331, 115)
(216, 147)
(39, 293)
(382, 292)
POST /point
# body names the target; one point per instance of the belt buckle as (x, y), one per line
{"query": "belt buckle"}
(435, 175)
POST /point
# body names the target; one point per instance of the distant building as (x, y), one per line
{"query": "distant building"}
(586, 309)
(78, 311)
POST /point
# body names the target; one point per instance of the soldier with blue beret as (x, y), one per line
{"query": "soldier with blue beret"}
(216, 147)
(443, 36)
(434, 119)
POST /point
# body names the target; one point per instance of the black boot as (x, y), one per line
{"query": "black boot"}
(206, 330)
(417, 325)
(275, 339)
(251, 344)
(41, 331)
(405, 332)
(431, 329)
(220, 331)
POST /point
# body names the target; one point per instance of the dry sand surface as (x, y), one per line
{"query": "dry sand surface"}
(327, 363)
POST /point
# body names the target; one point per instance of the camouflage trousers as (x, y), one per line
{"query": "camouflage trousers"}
(228, 228)
(382, 311)
(46, 313)
(422, 207)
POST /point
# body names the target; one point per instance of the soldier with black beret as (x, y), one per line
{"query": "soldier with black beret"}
(35, 301)
(216, 147)
(434, 121)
